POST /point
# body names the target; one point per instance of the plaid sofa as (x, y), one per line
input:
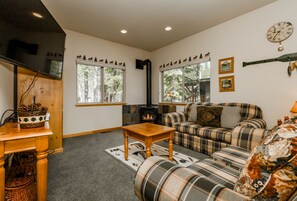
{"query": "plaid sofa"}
(158, 179)
(211, 179)
(207, 140)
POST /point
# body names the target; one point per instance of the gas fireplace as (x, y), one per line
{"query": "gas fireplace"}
(149, 114)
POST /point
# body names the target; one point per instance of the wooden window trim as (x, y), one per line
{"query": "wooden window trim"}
(173, 104)
(99, 104)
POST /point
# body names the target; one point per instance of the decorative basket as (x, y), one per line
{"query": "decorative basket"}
(24, 159)
(20, 184)
(27, 120)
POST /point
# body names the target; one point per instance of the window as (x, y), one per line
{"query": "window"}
(186, 84)
(173, 81)
(99, 84)
(113, 85)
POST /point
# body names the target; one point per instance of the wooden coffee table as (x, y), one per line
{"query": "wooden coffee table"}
(148, 133)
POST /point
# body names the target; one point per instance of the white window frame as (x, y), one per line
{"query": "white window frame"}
(182, 67)
(83, 62)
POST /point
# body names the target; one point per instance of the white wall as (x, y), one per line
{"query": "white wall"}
(6, 88)
(81, 119)
(266, 85)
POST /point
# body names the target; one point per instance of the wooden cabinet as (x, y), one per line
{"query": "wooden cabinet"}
(48, 92)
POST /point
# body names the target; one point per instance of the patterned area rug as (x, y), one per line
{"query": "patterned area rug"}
(137, 155)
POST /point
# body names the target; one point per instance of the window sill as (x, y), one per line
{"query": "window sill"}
(98, 104)
(173, 104)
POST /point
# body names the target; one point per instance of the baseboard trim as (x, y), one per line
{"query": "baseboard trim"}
(92, 132)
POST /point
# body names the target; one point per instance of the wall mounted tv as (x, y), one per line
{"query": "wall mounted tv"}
(30, 37)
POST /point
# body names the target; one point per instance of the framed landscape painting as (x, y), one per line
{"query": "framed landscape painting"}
(226, 84)
(226, 65)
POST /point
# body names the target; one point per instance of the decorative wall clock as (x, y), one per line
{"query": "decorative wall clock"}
(280, 32)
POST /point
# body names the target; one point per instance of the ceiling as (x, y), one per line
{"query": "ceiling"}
(145, 20)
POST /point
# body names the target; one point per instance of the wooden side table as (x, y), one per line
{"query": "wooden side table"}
(148, 133)
(14, 139)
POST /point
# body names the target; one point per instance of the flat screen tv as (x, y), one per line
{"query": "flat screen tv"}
(31, 38)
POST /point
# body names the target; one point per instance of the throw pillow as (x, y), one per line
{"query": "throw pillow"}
(270, 173)
(193, 113)
(230, 116)
(209, 116)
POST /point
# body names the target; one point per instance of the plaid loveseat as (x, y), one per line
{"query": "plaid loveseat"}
(207, 140)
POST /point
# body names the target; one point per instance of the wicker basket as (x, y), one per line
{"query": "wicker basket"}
(24, 158)
(27, 120)
(20, 184)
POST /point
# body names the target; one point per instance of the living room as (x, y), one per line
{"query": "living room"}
(242, 38)
(266, 85)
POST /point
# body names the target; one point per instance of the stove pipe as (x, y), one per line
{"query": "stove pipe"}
(148, 83)
(139, 65)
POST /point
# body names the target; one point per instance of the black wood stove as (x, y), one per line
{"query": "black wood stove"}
(148, 113)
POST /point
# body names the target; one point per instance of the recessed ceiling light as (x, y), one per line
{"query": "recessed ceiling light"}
(168, 28)
(37, 15)
(123, 31)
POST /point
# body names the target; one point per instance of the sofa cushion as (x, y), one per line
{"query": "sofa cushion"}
(217, 171)
(209, 116)
(187, 127)
(196, 143)
(248, 111)
(216, 134)
(230, 116)
(193, 113)
(271, 170)
(233, 156)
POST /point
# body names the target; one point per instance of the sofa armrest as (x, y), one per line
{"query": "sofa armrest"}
(174, 117)
(159, 179)
(254, 123)
(247, 137)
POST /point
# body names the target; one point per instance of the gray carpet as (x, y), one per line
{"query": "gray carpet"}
(84, 172)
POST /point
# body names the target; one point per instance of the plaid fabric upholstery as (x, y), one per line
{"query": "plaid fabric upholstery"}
(246, 137)
(248, 111)
(216, 134)
(255, 123)
(174, 117)
(232, 156)
(196, 143)
(207, 139)
(161, 180)
(187, 127)
(217, 171)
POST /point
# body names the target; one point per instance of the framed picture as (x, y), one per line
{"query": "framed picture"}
(226, 65)
(226, 83)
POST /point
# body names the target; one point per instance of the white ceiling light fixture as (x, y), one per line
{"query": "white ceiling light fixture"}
(38, 15)
(168, 28)
(123, 31)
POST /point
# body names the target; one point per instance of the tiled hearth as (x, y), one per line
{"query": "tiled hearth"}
(131, 113)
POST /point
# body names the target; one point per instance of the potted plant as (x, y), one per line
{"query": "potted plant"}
(31, 116)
